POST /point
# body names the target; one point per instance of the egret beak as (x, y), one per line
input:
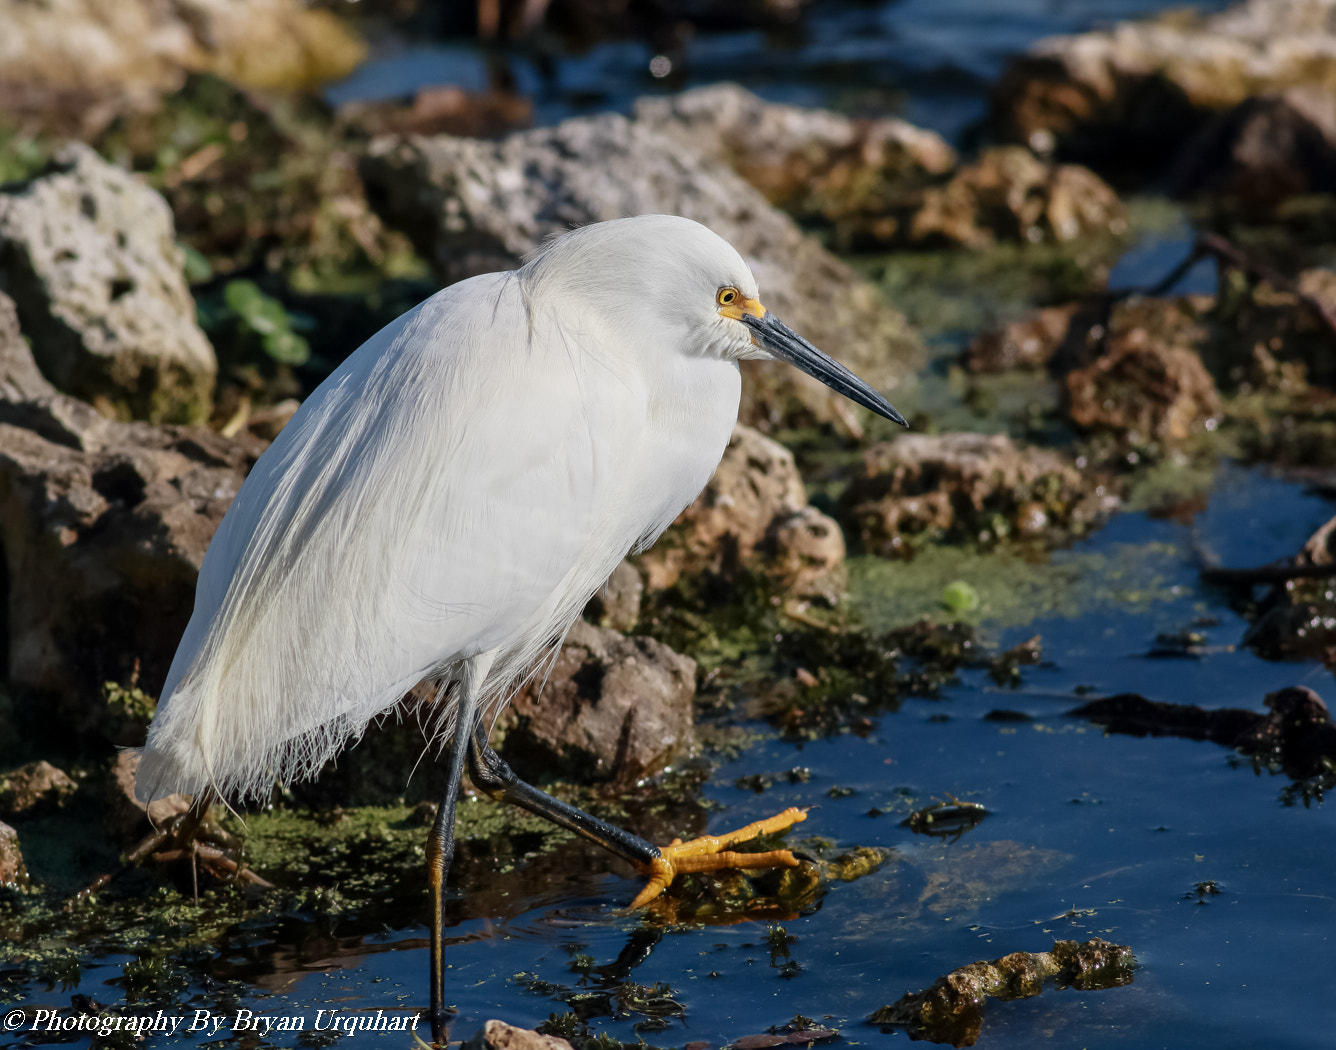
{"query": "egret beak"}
(783, 342)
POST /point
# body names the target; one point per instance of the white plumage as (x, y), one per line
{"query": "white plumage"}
(457, 489)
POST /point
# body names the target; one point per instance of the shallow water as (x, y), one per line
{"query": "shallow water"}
(1087, 835)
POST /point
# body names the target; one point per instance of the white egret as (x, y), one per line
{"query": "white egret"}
(446, 502)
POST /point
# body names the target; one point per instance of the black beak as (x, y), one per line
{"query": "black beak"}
(783, 342)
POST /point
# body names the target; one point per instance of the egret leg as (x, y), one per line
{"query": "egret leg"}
(492, 775)
(441, 839)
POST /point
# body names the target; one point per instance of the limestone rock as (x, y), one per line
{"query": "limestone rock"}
(617, 603)
(473, 207)
(127, 818)
(89, 256)
(34, 789)
(497, 1035)
(13, 872)
(813, 163)
(754, 512)
(103, 527)
(99, 56)
(613, 708)
(1263, 151)
(1128, 97)
(1009, 194)
(923, 487)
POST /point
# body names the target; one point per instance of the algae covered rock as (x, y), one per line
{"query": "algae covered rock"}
(1149, 383)
(753, 513)
(814, 163)
(33, 789)
(473, 207)
(612, 708)
(89, 256)
(1009, 194)
(923, 488)
(1127, 98)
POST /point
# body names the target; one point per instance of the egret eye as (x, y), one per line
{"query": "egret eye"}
(727, 296)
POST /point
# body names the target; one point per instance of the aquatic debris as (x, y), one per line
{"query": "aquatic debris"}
(801, 1036)
(951, 1011)
(946, 820)
(1297, 736)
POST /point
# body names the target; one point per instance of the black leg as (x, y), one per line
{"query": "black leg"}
(441, 839)
(491, 774)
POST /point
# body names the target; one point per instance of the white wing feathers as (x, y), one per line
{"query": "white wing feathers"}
(441, 495)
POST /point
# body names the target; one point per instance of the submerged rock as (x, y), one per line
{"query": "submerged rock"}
(473, 207)
(612, 708)
(1129, 97)
(34, 789)
(753, 513)
(924, 488)
(89, 256)
(86, 59)
(103, 526)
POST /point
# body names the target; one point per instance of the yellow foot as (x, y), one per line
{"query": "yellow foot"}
(710, 853)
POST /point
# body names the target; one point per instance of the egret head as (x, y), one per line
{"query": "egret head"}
(672, 276)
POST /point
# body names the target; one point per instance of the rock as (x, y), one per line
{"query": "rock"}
(103, 527)
(1029, 342)
(497, 1035)
(13, 872)
(815, 164)
(1128, 97)
(1149, 384)
(88, 59)
(979, 487)
(753, 513)
(473, 207)
(1262, 152)
(617, 603)
(443, 110)
(89, 256)
(34, 789)
(1009, 194)
(127, 818)
(611, 709)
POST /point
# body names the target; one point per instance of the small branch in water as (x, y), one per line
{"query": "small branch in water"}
(1274, 573)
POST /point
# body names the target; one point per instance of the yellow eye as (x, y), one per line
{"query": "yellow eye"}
(727, 296)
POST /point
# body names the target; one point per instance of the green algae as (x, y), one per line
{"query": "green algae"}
(1013, 590)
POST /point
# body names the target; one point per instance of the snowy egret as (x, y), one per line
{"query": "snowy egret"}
(444, 505)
